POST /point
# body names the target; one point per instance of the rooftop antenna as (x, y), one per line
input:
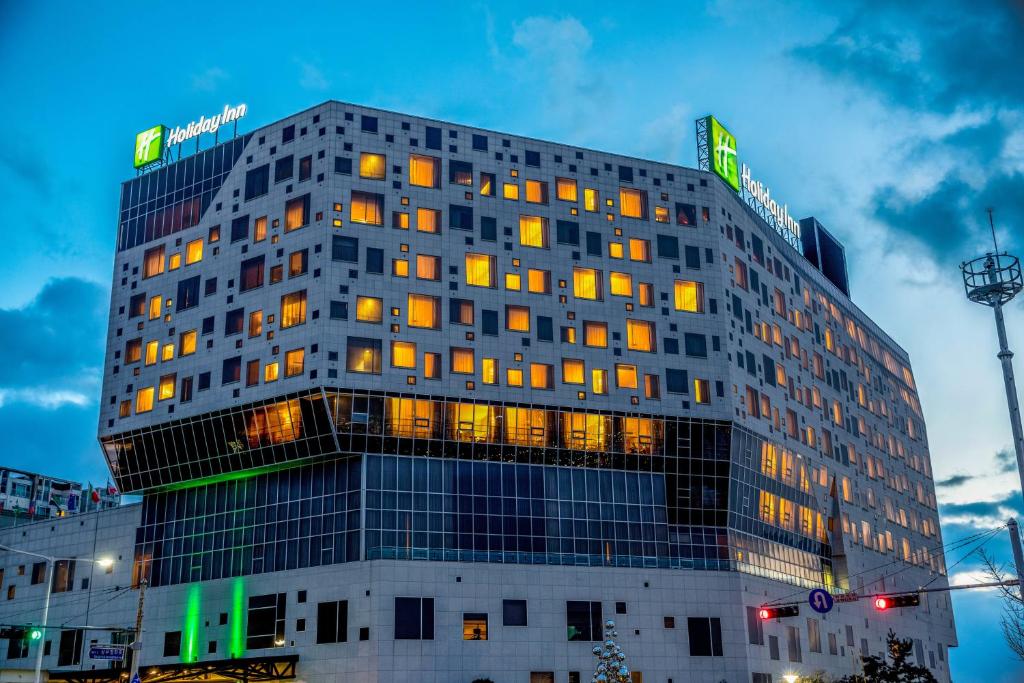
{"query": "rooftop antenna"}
(994, 280)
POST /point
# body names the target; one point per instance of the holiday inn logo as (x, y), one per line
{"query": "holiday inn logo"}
(149, 146)
(722, 150)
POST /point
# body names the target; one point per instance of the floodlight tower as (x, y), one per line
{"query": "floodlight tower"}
(993, 280)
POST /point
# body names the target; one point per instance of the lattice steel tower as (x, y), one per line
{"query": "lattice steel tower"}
(993, 280)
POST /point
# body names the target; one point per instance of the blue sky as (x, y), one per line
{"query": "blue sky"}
(894, 126)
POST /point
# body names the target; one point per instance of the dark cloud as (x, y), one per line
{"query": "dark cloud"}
(955, 480)
(1006, 460)
(978, 509)
(56, 337)
(938, 59)
(60, 442)
(24, 164)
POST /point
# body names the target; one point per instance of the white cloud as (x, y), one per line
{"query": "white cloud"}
(209, 80)
(971, 577)
(46, 398)
(311, 77)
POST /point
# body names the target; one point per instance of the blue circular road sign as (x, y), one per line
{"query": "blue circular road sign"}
(820, 600)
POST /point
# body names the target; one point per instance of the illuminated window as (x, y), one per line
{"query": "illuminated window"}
(740, 274)
(487, 184)
(542, 376)
(297, 261)
(400, 220)
(293, 309)
(187, 343)
(424, 311)
(595, 334)
(174, 262)
(133, 351)
(573, 371)
(153, 262)
(424, 171)
(517, 318)
(533, 231)
(194, 251)
(689, 296)
(155, 307)
(646, 294)
(615, 250)
(144, 400)
(513, 281)
(293, 362)
(428, 220)
(639, 250)
(514, 377)
(259, 231)
(490, 371)
(538, 281)
(701, 391)
(167, 352)
(587, 283)
(536, 192)
(166, 387)
(621, 284)
(152, 349)
(372, 166)
(461, 361)
(625, 376)
(255, 323)
(565, 189)
(296, 212)
(510, 191)
(599, 381)
(363, 355)
(474, 626)
(632, 202)
(367, 208)
(591, 202)
(661, 214)
(652, 387)
(369, 309)
(400, 267)
(432, 365)
(428, 267)
(480, 270)
(640, 335)
(270, 372)
(403, 354)
(460, 311)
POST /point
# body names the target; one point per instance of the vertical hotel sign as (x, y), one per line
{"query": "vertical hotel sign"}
(149, 146)
(722, 153)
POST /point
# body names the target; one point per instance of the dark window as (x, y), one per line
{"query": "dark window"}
(343, 165)
(332, 622)
(287, 133)
(344, 248)
(460, 217)
(239, 228)
(755, 627)
(414, 617)
(567, 232)
(705, 636)
(368, 123)
(210, 286)
(38, 572)
(433, 138)
(594, 243)
(620, 608)
(188, 293)
(63, 576)
(204, 381)
(257, 181)
(488, 230)
(668, 247)
(675, 381)
(234, 322)
(305, 168)
(231, 371)
(625, 174)
(693, 257)
(489, 322)
(513, 612)
(137, 306)
(172, 643)
(208, 325)
(339, 310)
(265, 623)
(284, 168)
(545, 328)
(532, 158)
(460, 172)
(460, 311)
(697, 345)
(583, 620)
(374, 260)
(251, 274)
(186, 389)
(480, 142)
(686, 214)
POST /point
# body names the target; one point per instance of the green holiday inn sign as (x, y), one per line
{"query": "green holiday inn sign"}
(722, 153)
(149, 146)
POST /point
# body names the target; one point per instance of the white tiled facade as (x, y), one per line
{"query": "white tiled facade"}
(839, 426)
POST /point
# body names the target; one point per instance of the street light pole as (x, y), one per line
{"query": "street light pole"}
(51, 567)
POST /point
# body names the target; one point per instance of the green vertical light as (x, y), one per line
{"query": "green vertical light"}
(190, 631)
(236, 641)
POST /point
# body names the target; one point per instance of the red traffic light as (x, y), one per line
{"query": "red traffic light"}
(763, 614)
(766, 613)
(881, 604)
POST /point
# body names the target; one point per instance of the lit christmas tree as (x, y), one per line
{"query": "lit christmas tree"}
(611, 660)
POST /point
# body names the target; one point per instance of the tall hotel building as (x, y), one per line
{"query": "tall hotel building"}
(414, 401)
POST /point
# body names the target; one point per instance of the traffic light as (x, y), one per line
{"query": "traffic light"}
(33, 634)
(884, 602)
(766, 613)
(12, 633)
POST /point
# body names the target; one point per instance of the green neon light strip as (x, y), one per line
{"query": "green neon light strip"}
(236, 641)
(190, 631)
(236, 476)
